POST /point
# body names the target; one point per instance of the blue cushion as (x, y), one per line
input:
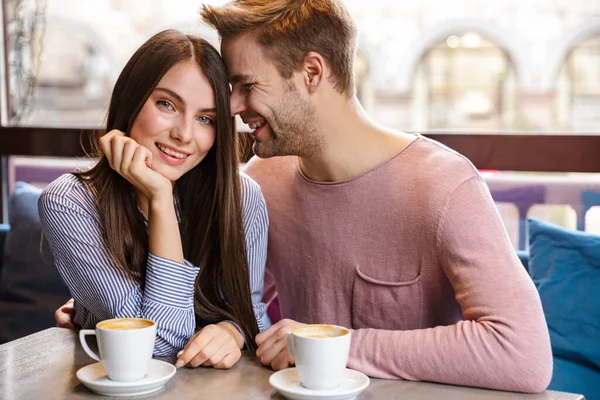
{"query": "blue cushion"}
(30, 287)
(565, 267)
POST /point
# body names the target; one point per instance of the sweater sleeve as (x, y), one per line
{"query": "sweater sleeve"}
(502, 342)
(103, 289)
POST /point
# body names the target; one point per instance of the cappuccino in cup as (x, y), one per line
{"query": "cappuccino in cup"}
(125, 323)
(126, 346)
(321, 354)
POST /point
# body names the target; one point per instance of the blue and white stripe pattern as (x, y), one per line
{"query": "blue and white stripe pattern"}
(102, 290)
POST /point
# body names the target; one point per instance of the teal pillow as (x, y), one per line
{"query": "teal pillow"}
(565, 267)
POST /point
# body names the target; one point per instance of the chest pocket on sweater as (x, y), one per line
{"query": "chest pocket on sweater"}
(386, 305)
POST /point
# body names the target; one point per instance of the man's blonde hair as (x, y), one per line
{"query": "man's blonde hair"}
(289, 29)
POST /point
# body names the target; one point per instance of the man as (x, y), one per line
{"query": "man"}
(387, 233)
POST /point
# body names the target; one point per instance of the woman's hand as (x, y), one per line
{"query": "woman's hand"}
(65, 314)
(217, 345)
(155, 192)
(134, 162)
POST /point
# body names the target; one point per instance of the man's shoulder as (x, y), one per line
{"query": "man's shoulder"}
(265, 170)
(441, 163)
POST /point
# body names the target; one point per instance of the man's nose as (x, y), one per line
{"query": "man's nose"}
(238, 103)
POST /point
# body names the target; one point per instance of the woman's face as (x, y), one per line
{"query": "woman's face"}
(177, 122)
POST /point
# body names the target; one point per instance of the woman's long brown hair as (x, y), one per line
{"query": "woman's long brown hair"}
(208, 197)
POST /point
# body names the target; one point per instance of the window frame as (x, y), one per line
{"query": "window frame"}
(560, 152)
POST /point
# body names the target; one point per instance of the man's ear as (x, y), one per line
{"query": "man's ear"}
(313, 68)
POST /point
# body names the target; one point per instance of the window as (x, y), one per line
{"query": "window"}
(578, 87)
(465, 82)
(513, 85)
(65, 55)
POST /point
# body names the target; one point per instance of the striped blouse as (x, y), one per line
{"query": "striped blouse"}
(103, 290)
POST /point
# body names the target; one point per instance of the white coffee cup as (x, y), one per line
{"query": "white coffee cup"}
(126, 346)
(321, 354)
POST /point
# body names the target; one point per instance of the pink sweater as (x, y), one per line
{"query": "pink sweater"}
(412, 256)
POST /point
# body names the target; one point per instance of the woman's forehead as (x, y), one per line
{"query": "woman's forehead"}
(189, 82)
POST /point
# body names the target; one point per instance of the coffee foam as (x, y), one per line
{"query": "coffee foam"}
(125, 324)
(320, 331)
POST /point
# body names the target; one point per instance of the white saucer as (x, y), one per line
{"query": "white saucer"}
(94, 377)
(287, 382)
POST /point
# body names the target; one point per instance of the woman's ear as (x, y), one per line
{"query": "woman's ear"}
(313, 69)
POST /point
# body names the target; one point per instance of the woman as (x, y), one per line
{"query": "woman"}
(163, 226)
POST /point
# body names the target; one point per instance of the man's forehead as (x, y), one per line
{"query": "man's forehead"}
(242, 45)
(236, 56)
(241, 71)
(244, 57)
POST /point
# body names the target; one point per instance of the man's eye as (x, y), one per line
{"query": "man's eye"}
(164, 104)
(248, 86)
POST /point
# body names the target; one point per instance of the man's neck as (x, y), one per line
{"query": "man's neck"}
(353, 144)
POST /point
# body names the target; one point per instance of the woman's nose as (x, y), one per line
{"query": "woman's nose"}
(182, 131)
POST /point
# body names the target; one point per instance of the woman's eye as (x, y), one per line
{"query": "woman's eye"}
(164, 104)
(205, 120)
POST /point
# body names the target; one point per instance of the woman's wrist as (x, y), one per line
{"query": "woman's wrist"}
(164, 237)
(234, 332)
(161, 202)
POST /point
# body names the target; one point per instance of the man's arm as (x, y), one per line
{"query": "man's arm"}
(65, 314)
(503, 341)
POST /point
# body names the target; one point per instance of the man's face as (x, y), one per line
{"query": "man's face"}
(281, 118)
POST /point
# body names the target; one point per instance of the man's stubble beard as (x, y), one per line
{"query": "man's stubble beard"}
(293, 125)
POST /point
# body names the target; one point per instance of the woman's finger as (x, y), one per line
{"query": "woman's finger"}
(148, 158)
(229, 360)
(221, 349)
(138, 162)
(205, 353)
(215, 357)
(116, 150)
(195, 345)
(105, 144)
(129, 148)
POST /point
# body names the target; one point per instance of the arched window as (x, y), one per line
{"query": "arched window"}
(464, 82)
(578, 87)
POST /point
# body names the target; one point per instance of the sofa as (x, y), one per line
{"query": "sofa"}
(564, 266)
(30, 287)
(571, 374)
